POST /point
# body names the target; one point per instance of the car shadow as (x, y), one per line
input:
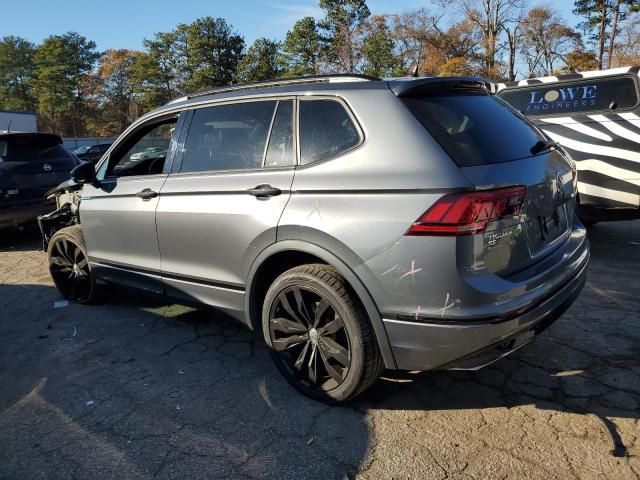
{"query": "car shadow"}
(137, 388)
(20, 239)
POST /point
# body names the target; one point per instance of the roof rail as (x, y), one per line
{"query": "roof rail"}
(332, 78)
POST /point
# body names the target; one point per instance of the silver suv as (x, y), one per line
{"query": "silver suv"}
(358, 223)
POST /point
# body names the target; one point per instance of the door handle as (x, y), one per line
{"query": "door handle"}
(264, 191)
(147, 194)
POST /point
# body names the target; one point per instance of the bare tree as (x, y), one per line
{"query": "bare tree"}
(627, 48)
(491, 17)
(547, 40)
(514, 38)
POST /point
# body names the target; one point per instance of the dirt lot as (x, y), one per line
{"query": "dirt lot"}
(141, 389)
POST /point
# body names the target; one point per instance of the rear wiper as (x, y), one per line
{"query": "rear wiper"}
(542, 145)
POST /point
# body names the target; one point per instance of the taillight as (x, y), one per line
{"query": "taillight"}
(469, 213)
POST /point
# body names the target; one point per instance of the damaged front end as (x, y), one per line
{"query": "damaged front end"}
(67, 197)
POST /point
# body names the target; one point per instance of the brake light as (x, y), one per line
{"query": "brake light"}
(469, 213)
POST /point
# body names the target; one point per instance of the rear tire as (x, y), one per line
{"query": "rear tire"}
(69, 267)
(319, 335)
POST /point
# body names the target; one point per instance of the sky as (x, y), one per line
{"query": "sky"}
(126, 23)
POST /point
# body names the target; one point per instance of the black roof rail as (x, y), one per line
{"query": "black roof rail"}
(282, 82)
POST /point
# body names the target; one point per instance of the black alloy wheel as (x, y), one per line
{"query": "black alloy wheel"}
(310, 338)
(69, 266)
(319, 335)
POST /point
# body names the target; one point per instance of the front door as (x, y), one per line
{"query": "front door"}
(118, 214)
(222, 204)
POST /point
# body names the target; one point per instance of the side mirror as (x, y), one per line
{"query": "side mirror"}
(84, 173)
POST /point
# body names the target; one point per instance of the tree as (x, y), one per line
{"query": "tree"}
(621, 9)
(599, 15)
(62, 63)
(341, 27)
(412, 33)
(422, 41)
(490, 17)
(156, 73)
(261, 62)
(547, 40)
(580, 60)
(16, 74)
(514, 35)
(456, 66)
(378, 54)
(627, 49)
(302, 48)
(117, 89)
(210, 51)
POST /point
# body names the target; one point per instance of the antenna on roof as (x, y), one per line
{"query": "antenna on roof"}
(415, 71)
(9, 126)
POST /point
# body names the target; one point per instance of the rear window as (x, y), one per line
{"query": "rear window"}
(475, 129)
(32, 148)
(326, 130)
(562, 98)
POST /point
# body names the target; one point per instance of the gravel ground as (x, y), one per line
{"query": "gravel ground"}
(137, 388)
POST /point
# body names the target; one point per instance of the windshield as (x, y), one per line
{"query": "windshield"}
(475, 128)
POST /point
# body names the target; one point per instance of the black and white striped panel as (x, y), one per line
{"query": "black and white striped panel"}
(569, 76)
(606, 149)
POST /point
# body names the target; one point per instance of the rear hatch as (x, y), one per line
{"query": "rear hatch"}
(500, 152)
(31, 164)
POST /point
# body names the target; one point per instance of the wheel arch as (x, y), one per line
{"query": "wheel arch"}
(286, 254)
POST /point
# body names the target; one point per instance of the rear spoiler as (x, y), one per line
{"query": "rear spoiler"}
(404, 88)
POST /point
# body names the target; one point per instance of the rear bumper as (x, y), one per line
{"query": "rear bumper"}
(15, 214)
(470, 346)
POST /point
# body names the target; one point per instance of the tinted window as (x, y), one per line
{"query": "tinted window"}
(145, 152)
(563, 98)
(32, 148)
(475, 129)
(326, 130)
(228, 137)
(280, 150)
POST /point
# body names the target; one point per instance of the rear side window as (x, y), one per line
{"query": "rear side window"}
(280, 149)
(585, 95)
(228, 137)
(326, 130)
(33, 148)
(475, 129)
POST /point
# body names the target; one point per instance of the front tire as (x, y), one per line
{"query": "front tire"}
(69, 267)
(319, 335)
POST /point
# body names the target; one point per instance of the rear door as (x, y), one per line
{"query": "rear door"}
(497, 147)
(118, 214)
(221, 205)
(596, 120)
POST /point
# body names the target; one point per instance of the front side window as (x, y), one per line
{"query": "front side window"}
(326, 130)
(608, 94)
(228, 137)
(145, 152)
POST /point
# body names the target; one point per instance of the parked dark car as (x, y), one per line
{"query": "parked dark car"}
(93, 153)
(359, 224)
(30, 165)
